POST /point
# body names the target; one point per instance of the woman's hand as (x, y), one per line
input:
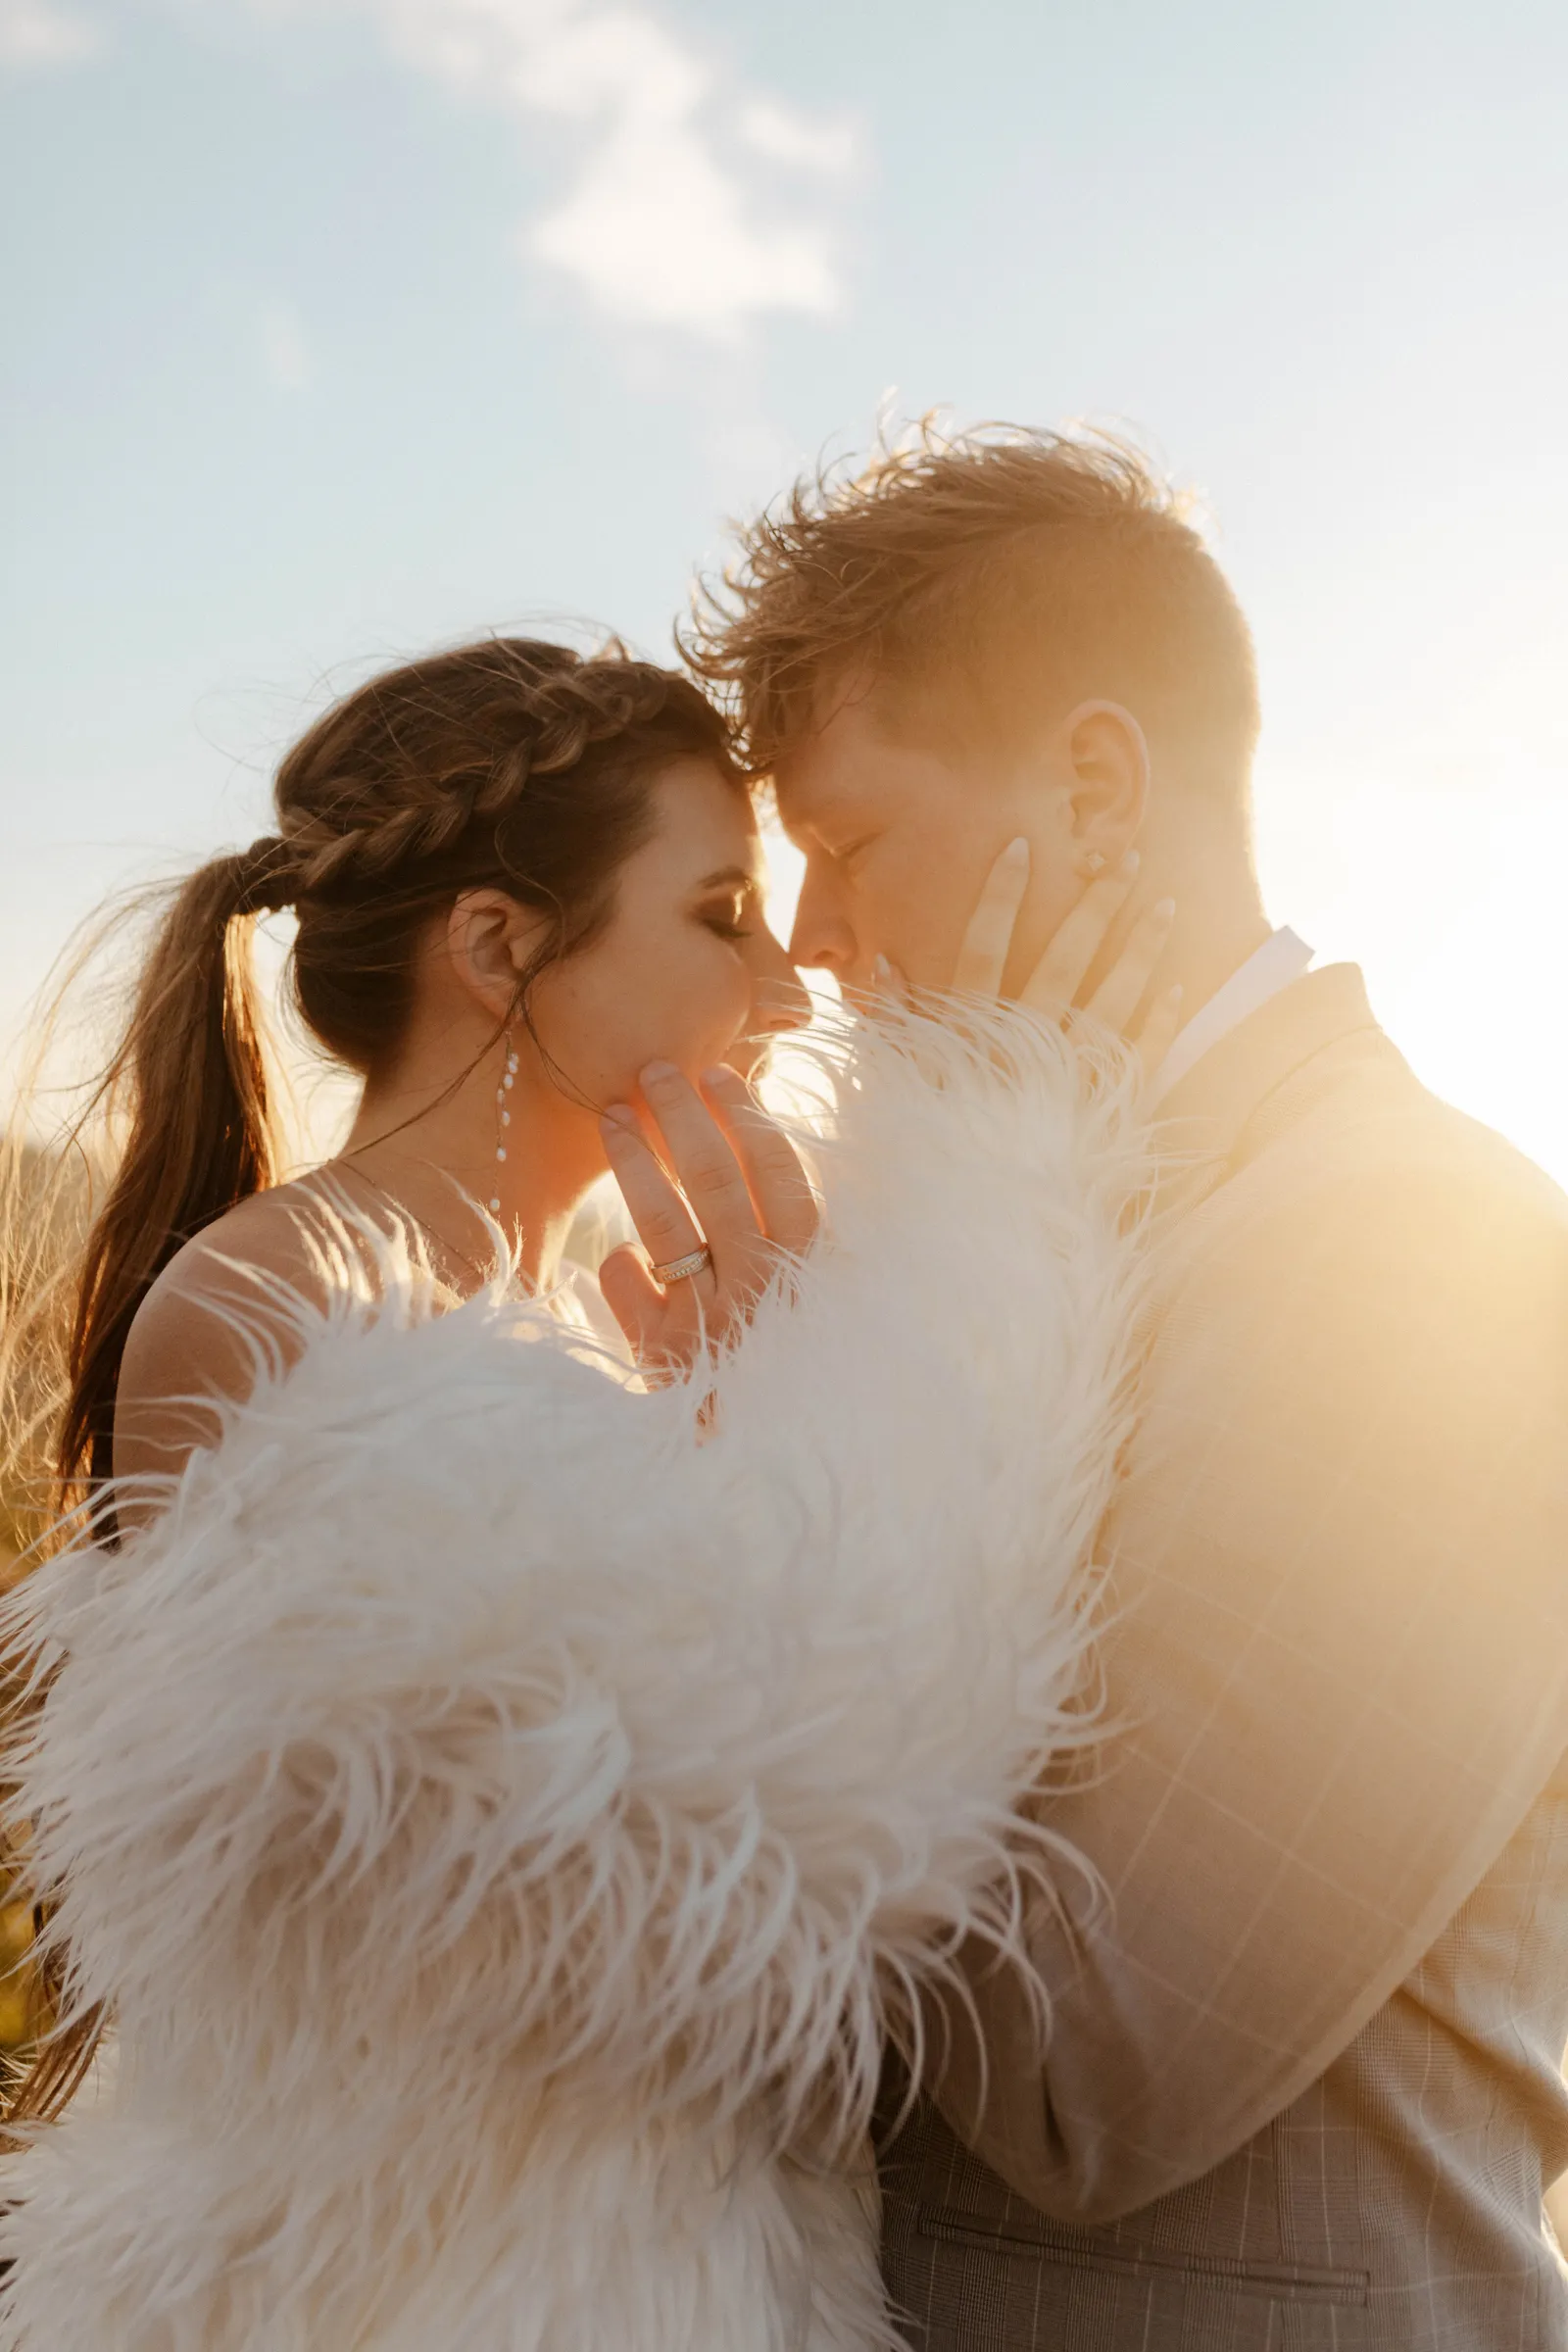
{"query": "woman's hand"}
(1052, 987)
(728, 1182)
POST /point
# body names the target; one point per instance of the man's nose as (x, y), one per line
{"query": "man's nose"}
(823, 940)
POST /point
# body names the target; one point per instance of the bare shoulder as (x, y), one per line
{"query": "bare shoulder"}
(223, 1305)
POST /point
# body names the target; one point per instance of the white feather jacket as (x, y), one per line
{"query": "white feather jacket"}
(501, 1808)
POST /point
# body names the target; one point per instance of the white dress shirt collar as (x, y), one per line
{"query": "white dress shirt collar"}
(1282, 959)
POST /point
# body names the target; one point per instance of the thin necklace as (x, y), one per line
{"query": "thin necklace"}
(426, 1227)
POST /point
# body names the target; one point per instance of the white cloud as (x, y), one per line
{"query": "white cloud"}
(39, 32)
(655, 229)
(690, 201)
(811, 142)
(285, 354)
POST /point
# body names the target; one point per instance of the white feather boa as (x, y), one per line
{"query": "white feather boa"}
(498, 1806)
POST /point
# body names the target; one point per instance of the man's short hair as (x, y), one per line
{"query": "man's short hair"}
(984, 584)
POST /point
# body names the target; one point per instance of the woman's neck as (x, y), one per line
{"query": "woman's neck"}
(435, 1147)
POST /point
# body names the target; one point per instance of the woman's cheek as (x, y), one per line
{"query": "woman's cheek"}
(676, 1005)
(599, 1028)
(712, 1011)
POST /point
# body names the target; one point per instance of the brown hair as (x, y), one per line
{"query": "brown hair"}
(985, 582)
(512, 762)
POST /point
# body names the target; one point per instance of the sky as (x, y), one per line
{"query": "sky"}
(337, 329)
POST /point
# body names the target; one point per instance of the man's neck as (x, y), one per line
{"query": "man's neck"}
(1204, 955)
(1219, 912)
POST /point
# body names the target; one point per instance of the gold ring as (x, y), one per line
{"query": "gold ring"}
(681, 1269)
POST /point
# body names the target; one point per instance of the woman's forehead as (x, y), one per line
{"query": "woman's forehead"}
(705, 820)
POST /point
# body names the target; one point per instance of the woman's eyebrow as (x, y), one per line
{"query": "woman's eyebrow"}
(729, 878)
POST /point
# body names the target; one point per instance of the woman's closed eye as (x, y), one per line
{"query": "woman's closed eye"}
(725, 917)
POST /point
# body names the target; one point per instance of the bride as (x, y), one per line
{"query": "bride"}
(501, 1785)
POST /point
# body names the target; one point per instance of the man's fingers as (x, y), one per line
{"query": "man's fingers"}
(1126, 983)
(664, 1224)
(634, 1298)
(983, 956)
(705, 1163)
(1056, 978)
(781, 1190)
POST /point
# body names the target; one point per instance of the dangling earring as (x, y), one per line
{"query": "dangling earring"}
(1092, 863)
(502, 1114)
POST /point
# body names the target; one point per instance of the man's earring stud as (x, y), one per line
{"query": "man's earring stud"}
(1094, 862)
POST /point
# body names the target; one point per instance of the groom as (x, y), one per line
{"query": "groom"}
(1302, 2080)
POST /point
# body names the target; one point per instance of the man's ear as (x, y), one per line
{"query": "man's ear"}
(1102, 760)
(489, 939)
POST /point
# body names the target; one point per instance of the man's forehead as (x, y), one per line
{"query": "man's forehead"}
(849, 752)
(867, 753)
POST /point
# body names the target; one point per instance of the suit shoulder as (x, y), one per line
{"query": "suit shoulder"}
(1398, 1212)
(1480, 1154)
(1398, 1157)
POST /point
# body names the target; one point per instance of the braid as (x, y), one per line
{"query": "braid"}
(515, 764)
(264, 877)
(326, 857)
(571, 705)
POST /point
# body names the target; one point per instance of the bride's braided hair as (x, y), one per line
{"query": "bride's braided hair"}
(451, 756)
(515, 763)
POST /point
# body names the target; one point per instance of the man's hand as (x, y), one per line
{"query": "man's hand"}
(726, 1182)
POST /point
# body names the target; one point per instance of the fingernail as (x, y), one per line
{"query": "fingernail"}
(1017, 852)
(719, 1075)
(1174, 996)
(1163, 909)
(655, 1073)
(618, 1115)
(1130, 863)
(881, 970)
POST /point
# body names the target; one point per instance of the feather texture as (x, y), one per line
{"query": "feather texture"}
(504, 1808)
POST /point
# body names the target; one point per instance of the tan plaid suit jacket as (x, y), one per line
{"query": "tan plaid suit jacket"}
(1302, 2084)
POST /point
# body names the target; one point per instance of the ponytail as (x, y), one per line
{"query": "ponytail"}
(188, 1083)
(186, 1090)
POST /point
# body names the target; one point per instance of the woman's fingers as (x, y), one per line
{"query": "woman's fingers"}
(889, 980)
(781, 1190)
(1126, 983)
(1054, 984)
(983, 955)
(1158, 1031)
(664, 1224)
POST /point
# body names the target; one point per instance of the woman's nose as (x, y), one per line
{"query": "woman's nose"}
(779, 999)
(783, 1005)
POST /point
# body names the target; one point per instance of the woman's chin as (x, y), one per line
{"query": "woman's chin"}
(748, 1056)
